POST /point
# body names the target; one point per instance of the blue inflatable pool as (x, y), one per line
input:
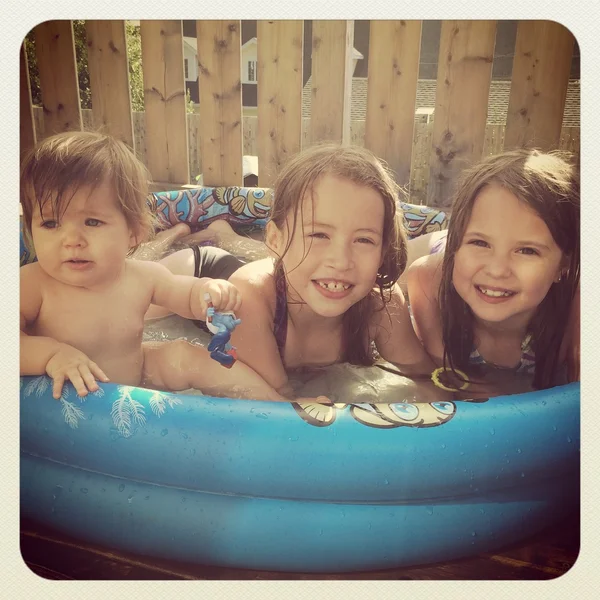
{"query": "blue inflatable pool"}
(288, 486)
(294, 487)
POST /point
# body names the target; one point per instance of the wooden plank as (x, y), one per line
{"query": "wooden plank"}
(463, 83)
(57, 66)
(280, 47)
(542, 64)
(26, 126)
(219, 63)
(164, 101)
(394, 50)
(109, 78)
(332, 67)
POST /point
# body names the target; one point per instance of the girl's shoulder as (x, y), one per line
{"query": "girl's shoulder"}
(256, 282)
(425, 275)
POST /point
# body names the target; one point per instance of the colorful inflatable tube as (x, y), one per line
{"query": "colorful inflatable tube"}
(297, 487)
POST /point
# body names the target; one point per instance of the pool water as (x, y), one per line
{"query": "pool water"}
(347, 383)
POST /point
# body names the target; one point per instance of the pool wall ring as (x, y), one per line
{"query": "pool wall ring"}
(297, 487)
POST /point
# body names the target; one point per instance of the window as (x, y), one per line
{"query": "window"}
(252, 70)
(186, 71)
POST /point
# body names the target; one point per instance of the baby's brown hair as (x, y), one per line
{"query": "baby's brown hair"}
(56, 168)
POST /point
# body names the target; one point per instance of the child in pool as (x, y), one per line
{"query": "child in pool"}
(83, 302)
(328, 292)
(505, 291)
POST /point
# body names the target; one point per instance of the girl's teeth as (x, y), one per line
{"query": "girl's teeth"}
(334, 286)
(494, 293)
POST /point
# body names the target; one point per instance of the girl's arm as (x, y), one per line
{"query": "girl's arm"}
(396, 340)
(423, 280)
(253, 338)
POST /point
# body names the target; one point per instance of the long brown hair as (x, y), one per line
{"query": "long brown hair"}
(60, 165)
(548, 183)
(358, 165)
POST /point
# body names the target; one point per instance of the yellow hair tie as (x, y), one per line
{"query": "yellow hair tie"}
(435, 377)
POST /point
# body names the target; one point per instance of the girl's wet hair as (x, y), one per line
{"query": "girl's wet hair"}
(62, 164)
(297, 181)
(548, 183)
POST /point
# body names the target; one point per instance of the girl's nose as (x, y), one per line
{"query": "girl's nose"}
(339, 256)
(498, 265)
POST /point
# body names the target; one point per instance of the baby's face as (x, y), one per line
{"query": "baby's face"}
(87, 245)
(507, 260)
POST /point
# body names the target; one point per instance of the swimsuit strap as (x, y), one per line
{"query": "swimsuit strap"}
(280, 321)
(197, 262)
(527, 364)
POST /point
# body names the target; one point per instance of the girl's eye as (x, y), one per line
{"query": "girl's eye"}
(479, 243)
(93, 222)
(318, 235)
(49, 224)
(529, 251)
(365, 241)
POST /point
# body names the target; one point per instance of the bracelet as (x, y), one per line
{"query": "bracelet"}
(435, 377)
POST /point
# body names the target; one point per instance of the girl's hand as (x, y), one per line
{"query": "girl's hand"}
(223, 295)
(68, 363)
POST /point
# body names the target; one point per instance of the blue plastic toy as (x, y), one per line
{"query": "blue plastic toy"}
(221, 324)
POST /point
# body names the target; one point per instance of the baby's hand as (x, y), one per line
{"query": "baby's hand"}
(224, 296)
(71, 364)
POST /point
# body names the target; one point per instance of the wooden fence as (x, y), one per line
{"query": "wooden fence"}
(426, 157)
(419, 173)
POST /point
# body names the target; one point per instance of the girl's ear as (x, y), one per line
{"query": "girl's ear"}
(563, 269)
(273, 239)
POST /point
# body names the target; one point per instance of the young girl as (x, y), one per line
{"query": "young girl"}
(328, 291)
(83, 302)
(505, 291)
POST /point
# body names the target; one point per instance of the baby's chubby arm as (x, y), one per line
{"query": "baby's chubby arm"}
(42, 354)
(185, 295)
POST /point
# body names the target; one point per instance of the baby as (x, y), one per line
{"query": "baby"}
(82, 303)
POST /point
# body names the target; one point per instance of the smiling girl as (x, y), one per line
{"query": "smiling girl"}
(505, 291)
(328, 292)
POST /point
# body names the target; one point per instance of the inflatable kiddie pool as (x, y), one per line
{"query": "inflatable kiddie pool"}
(289, 486)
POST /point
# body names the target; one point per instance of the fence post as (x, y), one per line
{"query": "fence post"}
(219, 62)
(394, 48)
(164, 101)
(279, 83)
(332, 66)
(26, 127)
(463, 85)
(109, 78)
(542, 64)
(55, 52)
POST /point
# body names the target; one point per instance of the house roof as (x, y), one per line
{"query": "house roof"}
(192, 42)
(497, 102)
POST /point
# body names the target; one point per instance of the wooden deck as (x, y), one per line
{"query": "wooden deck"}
(54, 556)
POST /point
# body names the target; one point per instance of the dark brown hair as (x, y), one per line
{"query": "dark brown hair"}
(60, 165)
(360, 166)
(548, 183)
